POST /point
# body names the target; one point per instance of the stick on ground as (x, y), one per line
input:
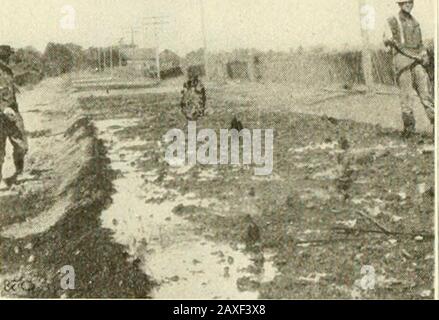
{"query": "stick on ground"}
(376, 223)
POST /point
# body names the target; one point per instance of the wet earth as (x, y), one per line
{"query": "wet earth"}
(343, 198)
(346, 213)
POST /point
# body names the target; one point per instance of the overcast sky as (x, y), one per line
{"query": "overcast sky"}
(262, 24)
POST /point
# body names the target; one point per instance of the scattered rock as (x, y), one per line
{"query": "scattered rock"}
(402, 195)
(374, 212)
(425, 293)
(348, 223)
(422, 188)
(313, 278)
(428, 149)
(310, 206)
(406, 254)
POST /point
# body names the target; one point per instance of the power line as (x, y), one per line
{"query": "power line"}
(203, 30)
(156, 22)
(365, 15)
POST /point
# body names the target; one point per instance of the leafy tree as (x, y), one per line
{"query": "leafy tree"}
(58, 59)
(27, 64)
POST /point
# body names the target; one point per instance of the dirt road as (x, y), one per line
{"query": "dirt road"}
(134, 227)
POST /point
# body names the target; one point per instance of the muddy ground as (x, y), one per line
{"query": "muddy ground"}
(51, 218)
(345, 200)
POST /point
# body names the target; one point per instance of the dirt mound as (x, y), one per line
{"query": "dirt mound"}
(70, 232)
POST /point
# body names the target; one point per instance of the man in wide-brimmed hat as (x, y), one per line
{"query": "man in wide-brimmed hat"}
(410, 59)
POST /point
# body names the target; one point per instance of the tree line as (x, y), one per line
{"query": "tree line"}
(30, 65)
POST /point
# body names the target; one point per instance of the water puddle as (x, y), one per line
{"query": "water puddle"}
(334, 147)
(315, 147)
(173, 251)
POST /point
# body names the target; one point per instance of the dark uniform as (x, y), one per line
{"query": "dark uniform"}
(11, 122)
(406, 33)
(193, 100)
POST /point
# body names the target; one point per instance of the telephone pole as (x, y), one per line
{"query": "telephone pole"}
(132, 31)
(367, 23)
(133, 44)
(203, 29)
(156, 23)
(120, 52)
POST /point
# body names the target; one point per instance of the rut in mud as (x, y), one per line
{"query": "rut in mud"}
(173, 251)
(134, 227)
(181, 222)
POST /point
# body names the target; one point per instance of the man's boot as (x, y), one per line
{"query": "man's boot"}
(409, 125)
(19, 167)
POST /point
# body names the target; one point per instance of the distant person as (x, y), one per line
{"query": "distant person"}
(410, 60)
(193, 99)
(11, 122)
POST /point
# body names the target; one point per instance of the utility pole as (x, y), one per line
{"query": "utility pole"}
(203, 29)
(367, 21)
(99, 59)
(156, 23)
(133, 45)
(120, 52)
(132, 36)
(132, 31)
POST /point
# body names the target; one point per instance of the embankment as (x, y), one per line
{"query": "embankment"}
(67, 230)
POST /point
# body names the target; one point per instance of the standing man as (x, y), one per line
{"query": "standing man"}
(410, 59)
(11, 122)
